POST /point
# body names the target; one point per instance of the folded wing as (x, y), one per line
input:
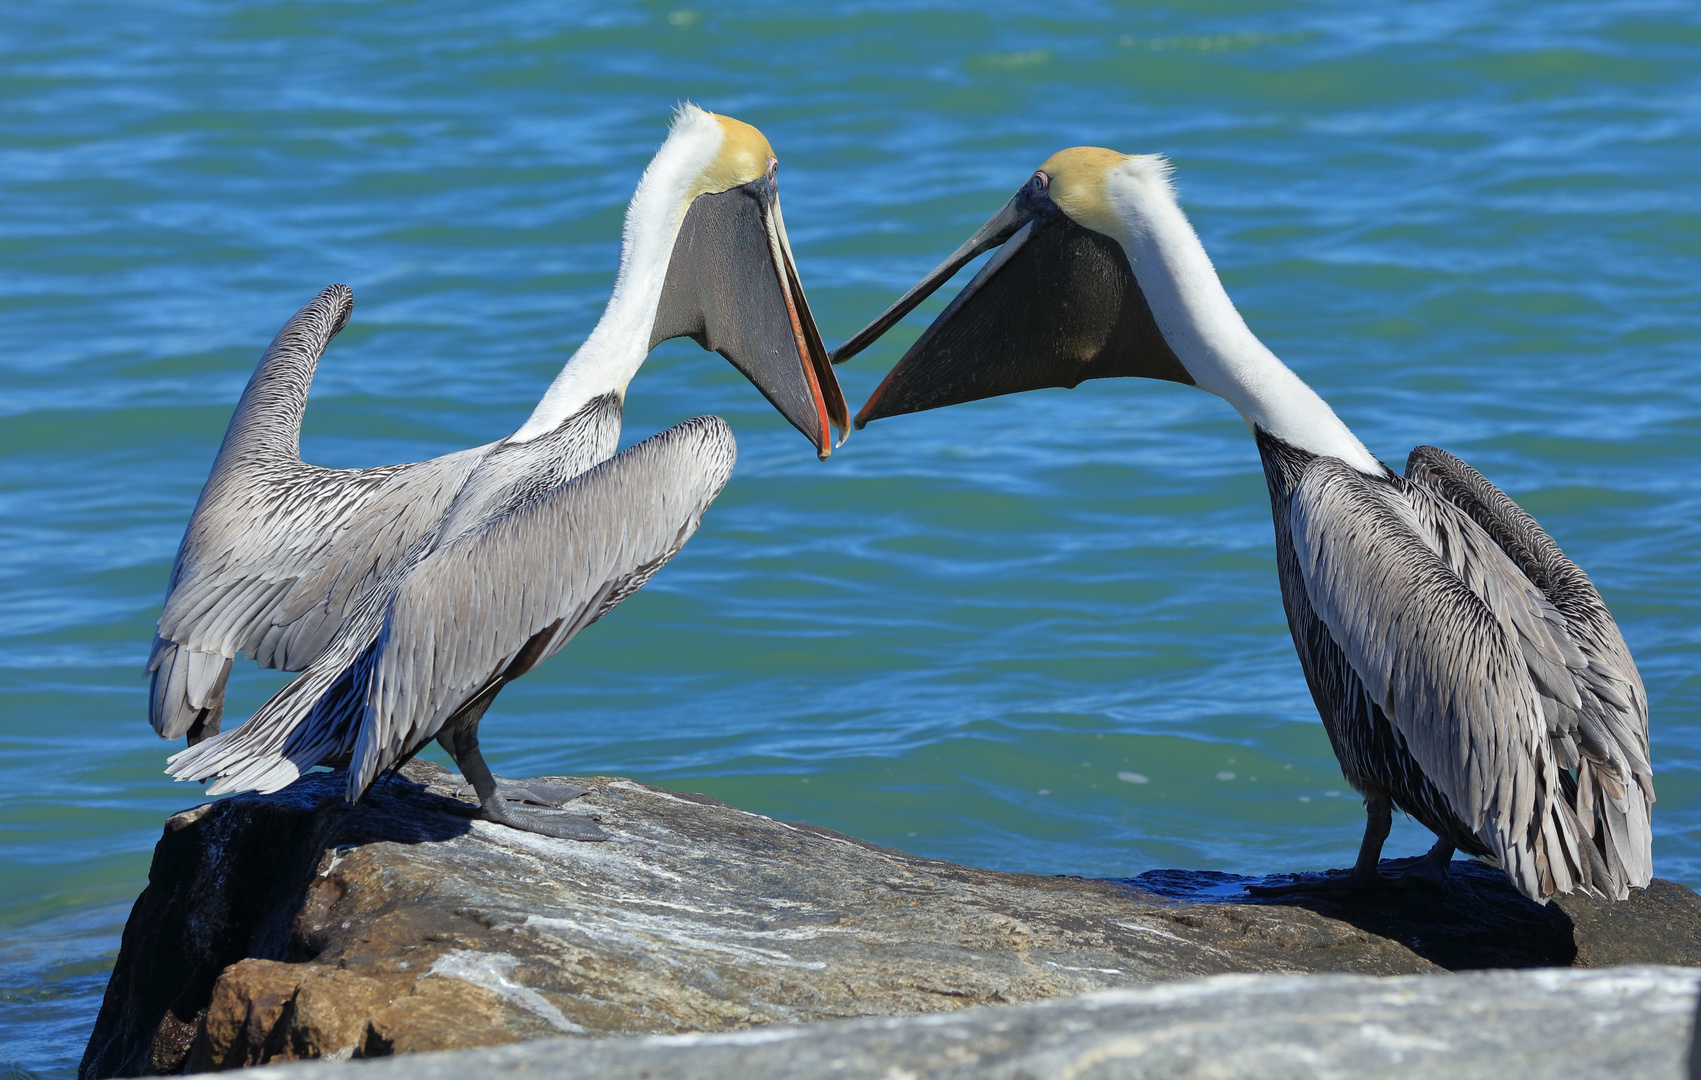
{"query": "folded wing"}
(1482, 675)
(1599, 722)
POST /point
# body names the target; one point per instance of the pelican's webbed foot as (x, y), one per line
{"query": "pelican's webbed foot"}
(542, 792)
(556, 823)
(1427, 872)
(1366, 875)
(508, 802)
(531, 792)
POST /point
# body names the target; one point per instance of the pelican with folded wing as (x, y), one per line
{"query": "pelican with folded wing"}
(1466, 671)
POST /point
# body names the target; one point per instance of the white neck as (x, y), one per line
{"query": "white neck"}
(1201, 325)
(617, 347)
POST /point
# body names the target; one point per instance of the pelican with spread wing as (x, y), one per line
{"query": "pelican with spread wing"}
(409, 595)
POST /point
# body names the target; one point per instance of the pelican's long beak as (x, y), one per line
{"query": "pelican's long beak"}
(1057, 305)
(732, 286)
(1016, 213)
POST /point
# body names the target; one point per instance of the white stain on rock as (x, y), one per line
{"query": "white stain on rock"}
(494, 972)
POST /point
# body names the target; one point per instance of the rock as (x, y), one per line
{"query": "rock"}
(1482, 922)
(1555, 1024)
(291, 926)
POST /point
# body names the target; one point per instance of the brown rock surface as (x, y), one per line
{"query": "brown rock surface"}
(290, 926)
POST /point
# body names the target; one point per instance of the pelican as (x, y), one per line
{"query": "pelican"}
(1465, 670)
(409, 595)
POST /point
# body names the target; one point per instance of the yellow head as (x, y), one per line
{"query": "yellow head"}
(744, 156)
(1082, 183)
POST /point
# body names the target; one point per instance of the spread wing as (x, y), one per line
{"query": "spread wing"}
(277, 551)
(489, 605)
(1476, 669)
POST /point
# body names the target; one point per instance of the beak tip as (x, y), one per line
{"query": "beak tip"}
(870, 408)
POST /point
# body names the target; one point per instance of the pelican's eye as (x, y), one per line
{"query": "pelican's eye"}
(1039, 183)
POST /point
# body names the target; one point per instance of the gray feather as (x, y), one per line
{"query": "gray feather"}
(536, 527)
(1477, 646)
(278, 552)
(1599, 725)
(550, 563)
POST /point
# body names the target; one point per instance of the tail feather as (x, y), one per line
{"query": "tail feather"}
(315, 717)
(187, 693)
(1588, 833)
(1608, 816)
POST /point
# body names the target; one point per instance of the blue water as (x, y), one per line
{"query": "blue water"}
(971, 633)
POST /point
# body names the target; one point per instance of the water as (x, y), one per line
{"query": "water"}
(973, 633)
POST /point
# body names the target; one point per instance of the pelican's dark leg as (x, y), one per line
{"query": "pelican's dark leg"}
(1379, 819)
(1432, 869)
(460, 739)
(1428, 872)
(1364, 876)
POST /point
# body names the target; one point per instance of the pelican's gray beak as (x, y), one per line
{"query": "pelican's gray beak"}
(1016, 213)
(1057, 305)
(733, 288)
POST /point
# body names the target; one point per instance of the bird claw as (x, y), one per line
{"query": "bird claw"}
(561, 826)
(1425, 875)
(513, 802)
(531, 792)
(541, 792)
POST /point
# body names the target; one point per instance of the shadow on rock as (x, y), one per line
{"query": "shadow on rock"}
(227, 882)
(1480, 920)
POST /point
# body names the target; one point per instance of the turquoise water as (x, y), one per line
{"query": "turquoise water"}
(1472, 224)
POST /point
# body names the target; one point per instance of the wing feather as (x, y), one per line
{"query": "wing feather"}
(278, 552)
(472, 611)
(1597, 719)
(1440, 652)
(1509, 686)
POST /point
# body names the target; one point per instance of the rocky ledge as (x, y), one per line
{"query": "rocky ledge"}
(1550, 1023)
(290, 926)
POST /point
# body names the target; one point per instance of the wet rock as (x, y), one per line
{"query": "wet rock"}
(1553, 1024)
(290, 926)
(1481, 921)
